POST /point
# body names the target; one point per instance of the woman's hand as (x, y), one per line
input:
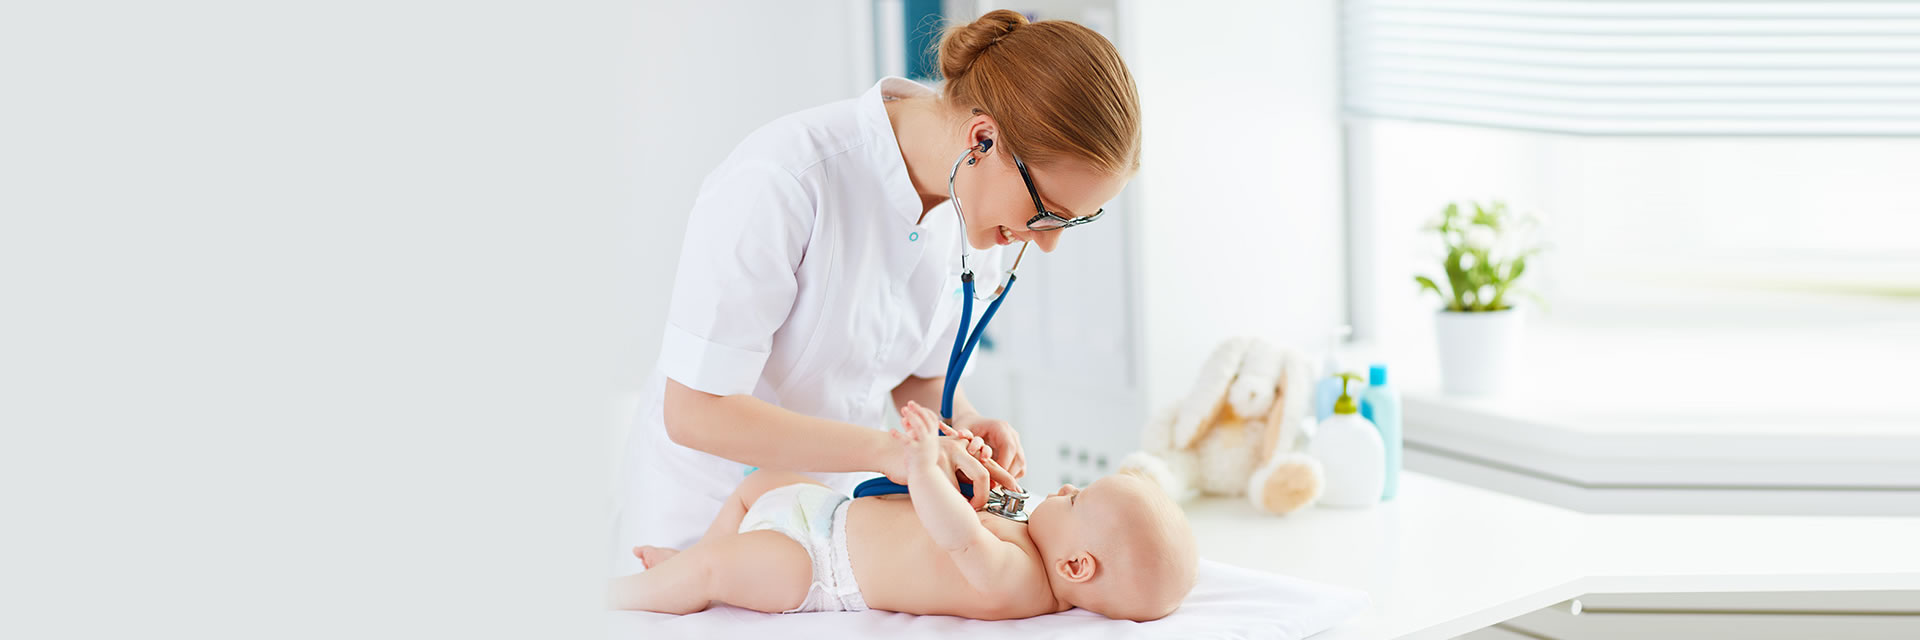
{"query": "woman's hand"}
(949, 456)
(1001, 443)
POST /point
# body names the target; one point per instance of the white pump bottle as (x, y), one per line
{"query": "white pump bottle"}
(1350, 450)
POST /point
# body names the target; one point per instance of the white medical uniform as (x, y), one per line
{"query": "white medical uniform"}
(805, 281)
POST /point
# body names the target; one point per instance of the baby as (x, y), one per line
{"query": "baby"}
(783, 543)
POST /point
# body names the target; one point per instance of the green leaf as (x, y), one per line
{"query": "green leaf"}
(1482, 273)
(1487, 220)
(1448, 216)
(1427, 283)
(1457, 277)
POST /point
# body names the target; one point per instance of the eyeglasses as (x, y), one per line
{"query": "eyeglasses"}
(1047, 220)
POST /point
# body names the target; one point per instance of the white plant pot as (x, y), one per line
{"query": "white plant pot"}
(1478, 350)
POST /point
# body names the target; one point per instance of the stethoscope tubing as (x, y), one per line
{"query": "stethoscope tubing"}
(964, 341)
(957, 363)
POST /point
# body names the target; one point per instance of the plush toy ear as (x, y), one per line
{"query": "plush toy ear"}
(1207, 401)
(1271, 440)
(1252, 391)
(1295, 404)
(1290, 398)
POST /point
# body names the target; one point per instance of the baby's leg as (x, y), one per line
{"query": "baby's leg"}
(758, 570)
(732, 511)
(724, 565)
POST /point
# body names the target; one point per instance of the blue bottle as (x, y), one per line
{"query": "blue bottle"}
(1380, 404)
(1328, 391)
(1324, 395)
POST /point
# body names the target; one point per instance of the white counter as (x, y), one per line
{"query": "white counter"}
(1444, 558)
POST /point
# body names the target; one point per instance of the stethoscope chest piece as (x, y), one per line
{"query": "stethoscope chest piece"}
(1008, 504)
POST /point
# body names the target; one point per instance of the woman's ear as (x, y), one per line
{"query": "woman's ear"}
(1079, 567)
(981, 128)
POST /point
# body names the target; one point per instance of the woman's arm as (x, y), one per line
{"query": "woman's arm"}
(752, 431)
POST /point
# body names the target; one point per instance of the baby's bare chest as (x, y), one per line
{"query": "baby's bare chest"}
(899, 567)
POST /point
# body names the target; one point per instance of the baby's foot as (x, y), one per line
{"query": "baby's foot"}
(650, 556)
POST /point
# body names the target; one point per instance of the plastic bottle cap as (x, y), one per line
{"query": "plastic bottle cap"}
(1377, 375)
(1345, 404)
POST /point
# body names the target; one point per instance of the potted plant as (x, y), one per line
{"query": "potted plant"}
(1478, 330)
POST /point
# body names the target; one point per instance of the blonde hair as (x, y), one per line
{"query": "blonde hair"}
(1058, 90)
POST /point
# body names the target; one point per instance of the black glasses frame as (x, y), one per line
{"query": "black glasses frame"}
(1044, 214)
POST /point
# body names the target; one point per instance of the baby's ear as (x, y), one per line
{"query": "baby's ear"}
(1079, 567)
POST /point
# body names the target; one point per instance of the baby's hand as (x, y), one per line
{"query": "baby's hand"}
(974, 445)
(919, 436)
(947, 460)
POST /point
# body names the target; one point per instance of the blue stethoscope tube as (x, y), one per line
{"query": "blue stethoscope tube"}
(961, 354)
(963, 342)
(963, 345)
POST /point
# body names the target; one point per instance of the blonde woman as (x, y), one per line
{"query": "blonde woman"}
(815, 293)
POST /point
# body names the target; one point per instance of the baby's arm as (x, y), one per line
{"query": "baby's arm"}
(985, 560)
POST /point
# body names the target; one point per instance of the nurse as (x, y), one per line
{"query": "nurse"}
(817, 288)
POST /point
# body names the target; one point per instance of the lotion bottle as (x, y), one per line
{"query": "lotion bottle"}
(1350, 451)
(1380, 404)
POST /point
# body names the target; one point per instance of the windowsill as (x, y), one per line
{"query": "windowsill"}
(1740, 421)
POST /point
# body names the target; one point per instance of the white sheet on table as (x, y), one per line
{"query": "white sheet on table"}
(1227, 602)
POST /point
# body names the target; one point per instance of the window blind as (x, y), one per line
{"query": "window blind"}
(1638, 67)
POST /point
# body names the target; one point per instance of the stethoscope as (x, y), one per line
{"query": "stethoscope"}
(1001, 502)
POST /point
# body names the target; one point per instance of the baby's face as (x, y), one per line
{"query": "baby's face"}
(1119, 547)
(1071, 516)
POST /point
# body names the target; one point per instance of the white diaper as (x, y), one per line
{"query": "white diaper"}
(815, 517)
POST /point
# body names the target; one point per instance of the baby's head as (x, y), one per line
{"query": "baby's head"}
(1119, 547)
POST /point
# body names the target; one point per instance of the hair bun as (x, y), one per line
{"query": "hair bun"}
(963, 44)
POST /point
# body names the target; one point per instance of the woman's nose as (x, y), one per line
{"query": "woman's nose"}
(1047, 240)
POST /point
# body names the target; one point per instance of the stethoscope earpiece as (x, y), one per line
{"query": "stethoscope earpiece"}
(982, 148)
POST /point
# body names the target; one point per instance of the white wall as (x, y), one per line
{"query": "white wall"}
(1241, 209)
(307, 314)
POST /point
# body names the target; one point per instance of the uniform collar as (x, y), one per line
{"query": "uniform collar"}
(900, 194)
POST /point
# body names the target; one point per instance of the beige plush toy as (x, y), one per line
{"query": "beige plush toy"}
(1242, 430)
